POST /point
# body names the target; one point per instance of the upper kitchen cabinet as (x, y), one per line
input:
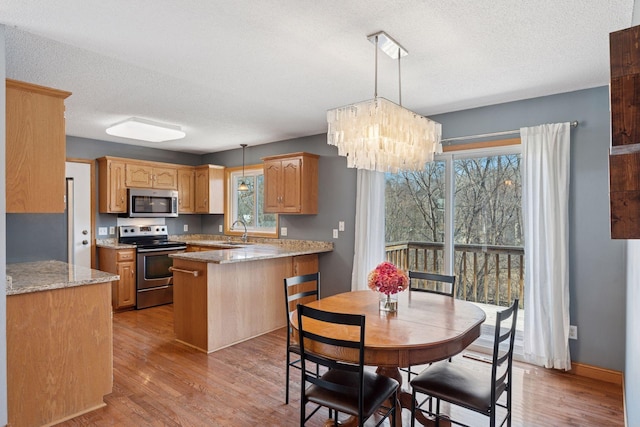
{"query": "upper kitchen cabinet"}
(35, 148)
(186, 190)
(140, 175)
(209, 189)
(291, 183)
(111, 182)
(624, 158)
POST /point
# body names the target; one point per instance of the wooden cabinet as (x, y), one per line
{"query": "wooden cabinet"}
(305, 264)
(111, 185)
(186, 190)
(209, 189)
(291, 183)
(140, 175)
(123, 263)
(35, 148)
(624, 158)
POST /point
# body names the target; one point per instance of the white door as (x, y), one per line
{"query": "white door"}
(81, 236)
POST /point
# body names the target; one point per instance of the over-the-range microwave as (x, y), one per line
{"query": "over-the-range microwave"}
(149, 203)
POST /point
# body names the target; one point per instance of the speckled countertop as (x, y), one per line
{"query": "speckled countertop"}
(252, 252)
(27, 277)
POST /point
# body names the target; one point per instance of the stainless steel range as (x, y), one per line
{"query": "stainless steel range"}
(154, 284)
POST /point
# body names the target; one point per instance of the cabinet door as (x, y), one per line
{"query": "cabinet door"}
(35, 148)
(126, 285)
(272, 185)
(305, 264)
(117, 190)
(165, 178)
(202, 190)
(291, 189)
(139, 176)
(186, 190)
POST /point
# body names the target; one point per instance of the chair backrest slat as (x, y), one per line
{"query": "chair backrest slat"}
(419, 277)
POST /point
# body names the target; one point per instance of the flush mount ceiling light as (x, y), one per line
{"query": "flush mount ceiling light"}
(243, 185)
(145, 130)
(380, 135)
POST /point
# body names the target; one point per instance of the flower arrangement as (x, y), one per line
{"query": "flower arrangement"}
(388, 279)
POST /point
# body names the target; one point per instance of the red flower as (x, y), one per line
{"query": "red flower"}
(387, 279)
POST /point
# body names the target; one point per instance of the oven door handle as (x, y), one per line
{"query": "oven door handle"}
(179, 248)
(153, 289)
(195, 273)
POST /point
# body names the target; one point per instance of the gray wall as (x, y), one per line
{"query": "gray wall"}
(336, 202)
(597, 266)
(3, 240)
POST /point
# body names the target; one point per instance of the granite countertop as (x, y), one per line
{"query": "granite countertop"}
(253, 252)
(27, 277)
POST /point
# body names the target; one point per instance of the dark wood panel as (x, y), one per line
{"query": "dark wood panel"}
(625, 110)
(625, 215)
(624, 172)
(624, 53)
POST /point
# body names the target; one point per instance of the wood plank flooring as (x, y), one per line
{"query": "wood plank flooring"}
(159, 382)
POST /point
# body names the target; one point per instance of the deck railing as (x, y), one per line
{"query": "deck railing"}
(484, 273)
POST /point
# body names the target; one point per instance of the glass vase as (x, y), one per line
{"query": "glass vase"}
(389, 302)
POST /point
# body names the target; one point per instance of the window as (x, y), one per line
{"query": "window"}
(248, 206)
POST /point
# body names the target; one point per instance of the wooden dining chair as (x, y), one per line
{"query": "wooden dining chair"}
(297, 289)
(473, 388)
(345, 387)
(440, 284)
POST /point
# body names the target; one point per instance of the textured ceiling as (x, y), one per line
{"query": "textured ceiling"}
(241, 71)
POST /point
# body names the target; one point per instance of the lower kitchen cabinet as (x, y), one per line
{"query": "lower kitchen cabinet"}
(123, 263)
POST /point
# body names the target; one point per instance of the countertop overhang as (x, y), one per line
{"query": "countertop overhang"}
(251, 252)
(27, 277)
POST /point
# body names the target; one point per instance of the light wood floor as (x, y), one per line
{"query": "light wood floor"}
(158, 382)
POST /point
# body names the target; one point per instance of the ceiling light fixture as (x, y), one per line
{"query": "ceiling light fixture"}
(243, 185)
(380, 135)
(145, 130)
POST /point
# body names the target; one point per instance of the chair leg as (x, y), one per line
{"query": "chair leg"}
(413, 408)
(286, 393)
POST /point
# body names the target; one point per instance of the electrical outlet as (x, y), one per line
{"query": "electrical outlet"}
(102, 231)
(341, 226)
(220, 228)
(112, 231)
(335, 233)
(573, 332)
(283, 231)
(186, 227)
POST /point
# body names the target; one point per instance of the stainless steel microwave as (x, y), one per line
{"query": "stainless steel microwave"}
(149, 203)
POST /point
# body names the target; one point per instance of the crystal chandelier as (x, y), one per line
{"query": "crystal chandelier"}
(379, 134)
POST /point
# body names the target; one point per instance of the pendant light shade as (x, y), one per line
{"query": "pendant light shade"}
(243, 185)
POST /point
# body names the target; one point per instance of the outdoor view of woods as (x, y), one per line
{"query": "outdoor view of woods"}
(487, 238)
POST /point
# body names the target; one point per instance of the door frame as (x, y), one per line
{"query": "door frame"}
(92, 164)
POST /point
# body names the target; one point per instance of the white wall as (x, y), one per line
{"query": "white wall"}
(632, 367)
(3, 245)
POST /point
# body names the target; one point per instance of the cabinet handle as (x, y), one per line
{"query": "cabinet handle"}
(195, 273)
(132, 273)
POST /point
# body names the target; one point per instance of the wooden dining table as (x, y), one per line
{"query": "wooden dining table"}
(426, 328)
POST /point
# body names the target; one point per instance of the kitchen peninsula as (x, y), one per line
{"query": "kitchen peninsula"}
(59, 341)
(225, 296)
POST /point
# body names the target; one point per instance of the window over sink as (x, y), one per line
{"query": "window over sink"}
(248, 206)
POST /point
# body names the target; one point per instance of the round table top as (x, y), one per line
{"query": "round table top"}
(426, 328)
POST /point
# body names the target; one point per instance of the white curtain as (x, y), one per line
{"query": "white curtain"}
(369, 245)
(545, 202)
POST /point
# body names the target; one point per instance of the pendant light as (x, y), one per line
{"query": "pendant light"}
(243, 185)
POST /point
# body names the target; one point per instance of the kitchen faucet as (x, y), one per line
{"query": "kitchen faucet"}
(244, 236)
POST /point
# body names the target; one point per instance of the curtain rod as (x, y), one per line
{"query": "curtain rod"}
(486, 135)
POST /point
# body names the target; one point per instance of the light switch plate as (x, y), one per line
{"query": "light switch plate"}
(341, 226)
(186, 227)
(335, 233)
(102, 231)
(283, 231)
(112, 231)
(220, 228)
